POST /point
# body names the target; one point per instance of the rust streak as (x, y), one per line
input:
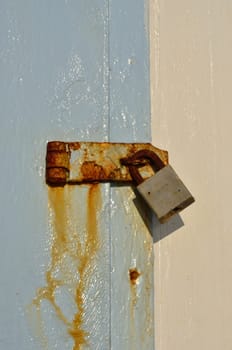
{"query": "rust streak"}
(133, 279)
(133, 276)
(89, 251)
(58, 248)
(82, 257)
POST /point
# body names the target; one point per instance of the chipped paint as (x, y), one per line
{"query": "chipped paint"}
(134, 275)
(69, 247)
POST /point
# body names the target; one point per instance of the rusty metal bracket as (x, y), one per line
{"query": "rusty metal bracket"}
(88, 162)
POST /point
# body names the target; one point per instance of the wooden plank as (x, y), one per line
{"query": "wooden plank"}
(54, 75)
(56, 58)
(132, 290)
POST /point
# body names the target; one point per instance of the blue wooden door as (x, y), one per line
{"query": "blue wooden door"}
(72, 71)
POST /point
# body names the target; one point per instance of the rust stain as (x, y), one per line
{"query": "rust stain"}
(134, 275)
(57, 201)
(133, 279)
(82, 256)
(90, 250)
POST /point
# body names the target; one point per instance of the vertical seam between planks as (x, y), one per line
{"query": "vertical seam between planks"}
(106, 79)
(107, 53)
(110, 190)
(147, 5)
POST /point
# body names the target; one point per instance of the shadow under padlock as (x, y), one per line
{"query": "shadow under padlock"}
(157, 230)
(164, 192)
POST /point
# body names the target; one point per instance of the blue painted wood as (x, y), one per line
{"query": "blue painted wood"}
(72, 71)
(132, 318)
(54, 76)
(129, 65)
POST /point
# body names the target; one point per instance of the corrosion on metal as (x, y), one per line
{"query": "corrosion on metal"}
(93, 162)
(57, 163)
(132, 163)
(92, 171)
(134, 275)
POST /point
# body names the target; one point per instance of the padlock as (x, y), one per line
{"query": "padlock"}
(164, 192)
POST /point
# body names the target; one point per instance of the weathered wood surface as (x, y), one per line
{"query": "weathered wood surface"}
(72, 71)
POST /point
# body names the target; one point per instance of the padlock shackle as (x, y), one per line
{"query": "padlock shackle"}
(142, 154)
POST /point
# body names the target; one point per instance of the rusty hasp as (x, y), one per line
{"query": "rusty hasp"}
(89, 162)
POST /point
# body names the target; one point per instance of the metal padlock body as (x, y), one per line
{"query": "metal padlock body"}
(164, 192)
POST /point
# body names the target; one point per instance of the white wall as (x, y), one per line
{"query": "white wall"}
(191, 70)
